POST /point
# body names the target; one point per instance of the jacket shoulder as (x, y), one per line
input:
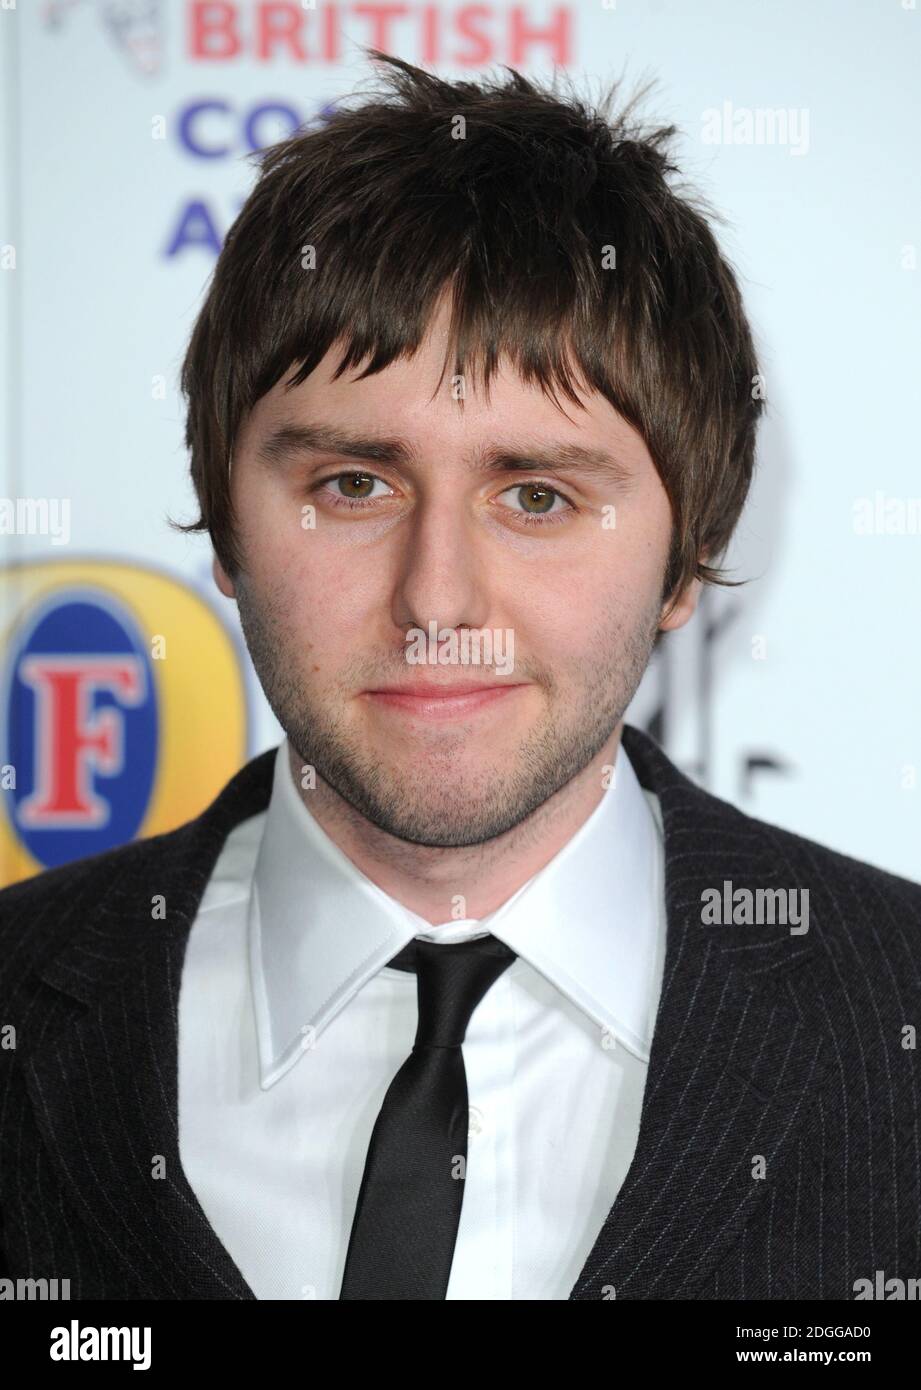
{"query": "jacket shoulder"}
(862, 914)
(39, 914)
(838, 868)
(711, 824)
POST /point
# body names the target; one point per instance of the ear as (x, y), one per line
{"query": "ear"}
(682, 608)
(221, 579)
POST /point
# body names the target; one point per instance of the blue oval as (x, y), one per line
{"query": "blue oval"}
(84, 780)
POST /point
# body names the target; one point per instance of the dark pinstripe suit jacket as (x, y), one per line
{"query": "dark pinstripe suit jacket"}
(773, 1051)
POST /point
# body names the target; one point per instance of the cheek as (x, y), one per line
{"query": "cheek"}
(608, 585)
(328, 601)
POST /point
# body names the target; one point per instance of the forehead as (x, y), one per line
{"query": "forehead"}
(418, 399)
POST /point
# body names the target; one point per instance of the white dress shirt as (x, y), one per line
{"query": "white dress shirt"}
(292, 1026)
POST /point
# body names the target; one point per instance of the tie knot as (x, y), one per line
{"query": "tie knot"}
(451, 979)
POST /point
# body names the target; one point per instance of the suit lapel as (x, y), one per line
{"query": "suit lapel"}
(735, 1063)
(104, 1088)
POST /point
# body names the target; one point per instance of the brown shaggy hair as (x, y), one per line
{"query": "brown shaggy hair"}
(556, 230)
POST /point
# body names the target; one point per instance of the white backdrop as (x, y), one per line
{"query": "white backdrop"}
(124, 163)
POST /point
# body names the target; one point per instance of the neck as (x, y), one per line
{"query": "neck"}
(430, 880)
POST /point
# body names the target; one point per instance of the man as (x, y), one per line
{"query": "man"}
(464, 991)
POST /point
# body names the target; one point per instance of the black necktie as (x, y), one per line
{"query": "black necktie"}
(412, 1189)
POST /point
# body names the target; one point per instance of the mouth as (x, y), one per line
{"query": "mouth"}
(426, 700)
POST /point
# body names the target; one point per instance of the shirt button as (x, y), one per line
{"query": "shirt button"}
(476, 1123)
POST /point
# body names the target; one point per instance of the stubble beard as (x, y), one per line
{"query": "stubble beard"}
(436, 800)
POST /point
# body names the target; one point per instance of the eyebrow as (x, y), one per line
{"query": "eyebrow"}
(288, 442)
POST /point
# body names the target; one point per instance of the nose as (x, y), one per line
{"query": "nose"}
(442, 575)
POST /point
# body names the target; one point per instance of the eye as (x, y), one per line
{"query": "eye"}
(352, 489)
(536, 501)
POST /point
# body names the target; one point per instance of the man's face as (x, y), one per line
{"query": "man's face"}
(559, 565)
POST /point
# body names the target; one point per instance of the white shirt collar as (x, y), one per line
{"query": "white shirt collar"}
(589, 921)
